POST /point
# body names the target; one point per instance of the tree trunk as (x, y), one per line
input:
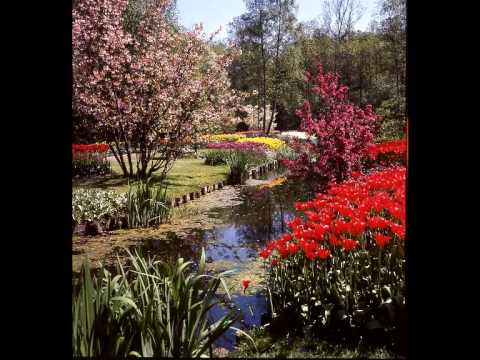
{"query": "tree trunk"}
(119, 157)
(274, 107)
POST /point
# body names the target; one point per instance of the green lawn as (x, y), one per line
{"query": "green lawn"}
(187, 175)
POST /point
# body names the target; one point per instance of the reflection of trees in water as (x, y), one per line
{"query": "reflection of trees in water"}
(262, 216)
(264, 213)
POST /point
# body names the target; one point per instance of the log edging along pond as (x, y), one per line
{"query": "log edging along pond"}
(252, 174)
(95, 227)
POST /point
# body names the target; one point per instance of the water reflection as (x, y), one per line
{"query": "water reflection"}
(251, 308)
(261, 216)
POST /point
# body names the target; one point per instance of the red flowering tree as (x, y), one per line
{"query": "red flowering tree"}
(341, 132)
(149, 89)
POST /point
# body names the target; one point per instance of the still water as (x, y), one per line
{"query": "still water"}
(261, 216)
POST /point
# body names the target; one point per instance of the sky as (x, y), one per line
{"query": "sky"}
(215, 13)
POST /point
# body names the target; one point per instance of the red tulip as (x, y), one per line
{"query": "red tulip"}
(349, 244)
(381, 239)
(323, 253)
(265, 253)
(245, 283)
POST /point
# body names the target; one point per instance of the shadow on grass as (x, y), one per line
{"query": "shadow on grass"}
(111, 182)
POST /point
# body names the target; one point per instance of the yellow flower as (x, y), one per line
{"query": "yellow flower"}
(273, 143)
(223, 137)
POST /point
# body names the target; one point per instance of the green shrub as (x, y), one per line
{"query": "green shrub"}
(393, 119)
(240, 161)
(153, 309)
(146, 205)
(215, 157)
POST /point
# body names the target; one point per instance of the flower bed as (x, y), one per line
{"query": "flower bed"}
(344, 256)
(89, 148)
(242, 146)
(252, 133)
(387, 153)
(223, 137)
(296, 135)
(90, 159)
(272, 143)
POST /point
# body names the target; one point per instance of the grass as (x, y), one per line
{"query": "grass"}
(269, 347)
(187, 175)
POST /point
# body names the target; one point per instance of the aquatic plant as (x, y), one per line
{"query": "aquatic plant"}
(215, 157)
(152, 309)
(146, 205)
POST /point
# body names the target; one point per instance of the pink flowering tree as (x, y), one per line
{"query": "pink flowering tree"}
(340, 132)
(150, 91)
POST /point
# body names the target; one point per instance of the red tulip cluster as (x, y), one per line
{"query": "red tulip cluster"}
(348, 244)
(364, 212)
(387, 153)
(89, 148)
(396, 147)
(90, 159)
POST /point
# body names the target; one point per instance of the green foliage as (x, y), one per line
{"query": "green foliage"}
(286, 153)
(393, 119)
(215, 157)
(302, 347)
(152, 309)
(94, 205)
(147, 204)
(240, 161)
(103, 316)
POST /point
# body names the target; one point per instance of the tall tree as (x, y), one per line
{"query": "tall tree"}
(262, 33)
(339, 19)
(283, 19)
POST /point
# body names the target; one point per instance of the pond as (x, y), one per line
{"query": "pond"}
(259, 213)
(262, 214)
